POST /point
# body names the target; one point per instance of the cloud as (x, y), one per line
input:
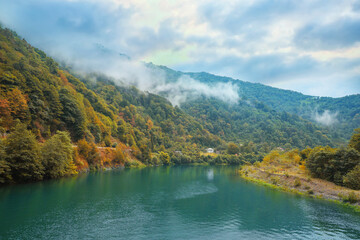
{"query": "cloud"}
(125, 71)
(186, 88)
(298, 45)
(326, 118)
(339, 34)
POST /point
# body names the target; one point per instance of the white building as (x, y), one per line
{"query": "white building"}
(210, 150)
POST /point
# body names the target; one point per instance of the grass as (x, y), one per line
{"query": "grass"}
(347, 200)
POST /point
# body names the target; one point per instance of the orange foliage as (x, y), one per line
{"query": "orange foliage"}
(149, 124)
(5, 113)
(63, 77)
(18, 104)
(80, 162)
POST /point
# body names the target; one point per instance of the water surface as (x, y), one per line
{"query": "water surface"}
(184, 202)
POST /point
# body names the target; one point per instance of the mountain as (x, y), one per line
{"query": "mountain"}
(52, 99)
(339, 116)
(47, 97)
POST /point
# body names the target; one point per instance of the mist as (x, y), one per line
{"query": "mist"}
(326, 118)
(127, 72)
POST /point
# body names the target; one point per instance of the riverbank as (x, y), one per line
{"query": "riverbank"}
(300, 182)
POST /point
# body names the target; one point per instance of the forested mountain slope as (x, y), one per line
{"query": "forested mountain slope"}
(339, 115)
(47, 98)
(37, 92)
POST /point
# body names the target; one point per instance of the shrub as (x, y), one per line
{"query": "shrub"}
(350, 198)
(107, 141)
(257, 164)
(297, 182)
(274, 180)
(165, 158)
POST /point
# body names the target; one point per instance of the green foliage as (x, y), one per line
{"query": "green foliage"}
(273, 99)
(23, 155)
(232, 148)
(165, 158)
(352, 178)
(350, 198)
(57, 155)
(332, 164)
(255, 127)
(5, 170)
(355, 140)
(72, 116)
(297, 182)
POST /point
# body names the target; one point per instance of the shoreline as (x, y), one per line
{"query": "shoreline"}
(309, 187)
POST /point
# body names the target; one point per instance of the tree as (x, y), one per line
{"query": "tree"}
(58, 156)
(145, 153)
(165, 158)
(272, 157)
(5, 113)
(18, 104)
(119, 156)
(23, 155)
(352, 179)
(232, 148)
(72, 115)
(331, 164)
(149, 124)
(90, 152)
(355, 140)
(5, 170)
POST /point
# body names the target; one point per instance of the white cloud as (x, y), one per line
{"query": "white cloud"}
(326, 118)
(199, 35)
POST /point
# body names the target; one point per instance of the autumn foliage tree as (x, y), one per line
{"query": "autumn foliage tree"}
(89, 152)
(5, 113)
(18, 103)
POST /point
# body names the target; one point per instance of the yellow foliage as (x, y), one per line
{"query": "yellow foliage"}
(272, 157)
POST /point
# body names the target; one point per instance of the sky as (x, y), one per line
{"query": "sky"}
(310, 46)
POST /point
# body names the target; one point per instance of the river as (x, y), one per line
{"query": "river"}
(181, 202)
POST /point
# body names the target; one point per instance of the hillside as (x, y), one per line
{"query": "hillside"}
(47, 98)
(338, 115)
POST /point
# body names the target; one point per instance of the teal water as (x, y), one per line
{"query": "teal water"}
(185, 202)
